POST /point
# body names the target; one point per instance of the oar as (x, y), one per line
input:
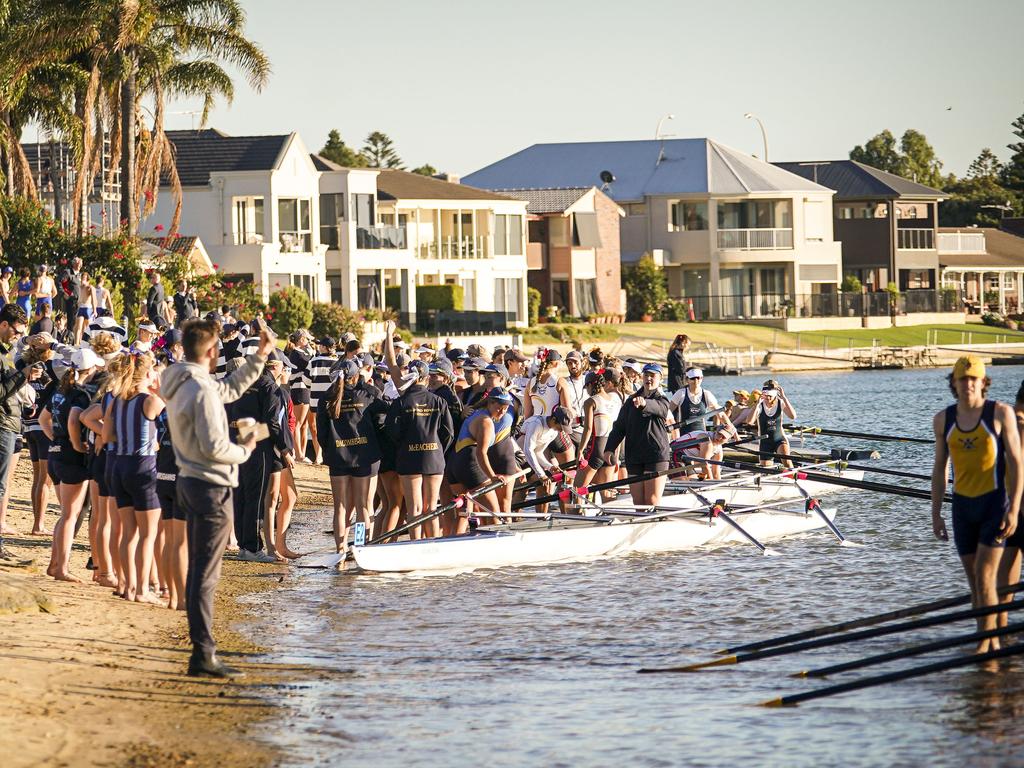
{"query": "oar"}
(813, 505)
(892, 677)
(600, 487)
(858, 435)
(455, 503)
(865, 634)
(916, 650)
(718, 510)
(866, 621)
(841, 463)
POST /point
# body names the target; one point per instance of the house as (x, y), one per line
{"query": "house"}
(738, 237)
(573, 249)
(983, 264)
(384, 227)
(156, 248)
(886, 224)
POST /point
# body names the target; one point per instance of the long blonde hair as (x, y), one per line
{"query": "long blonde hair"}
(127, 376)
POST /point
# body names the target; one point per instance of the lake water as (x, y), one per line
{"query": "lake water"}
(537, 667)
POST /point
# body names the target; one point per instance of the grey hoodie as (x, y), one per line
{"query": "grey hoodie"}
(198, 422)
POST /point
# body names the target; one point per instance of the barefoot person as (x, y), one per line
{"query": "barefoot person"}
(207, 471)
(979, 437)
(1009, 563)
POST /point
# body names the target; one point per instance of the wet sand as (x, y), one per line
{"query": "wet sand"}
(94, 680)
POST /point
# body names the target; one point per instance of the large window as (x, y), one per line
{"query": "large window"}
(755, 214)
(586, 297)
(468, 292)
(247, 224)
(332, 211)
(584, 230)
(362, 207)
(293, 225)
(560, 294)
(688, 217)
(508, 235)
(307, 283)
(507, 294)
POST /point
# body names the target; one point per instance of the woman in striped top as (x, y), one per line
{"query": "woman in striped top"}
(318, 373)
(130, 424)
(299, 353)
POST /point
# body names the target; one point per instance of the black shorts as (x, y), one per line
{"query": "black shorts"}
(466, 470)
(300, 396)
(646, 468)
(276, 464)
(768, 445)
(502, 457)
(73, 472)
(98, 470)
(167, 495)
(562, 443)
(594, 454)
(368, 470)
(38, 445)
(134, 482)
(976, 520)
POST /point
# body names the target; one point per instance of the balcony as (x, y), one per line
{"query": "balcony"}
(755, 239)
(915, 239)
(962, 242)
(453, 248)
(296, 242)
(372, 238)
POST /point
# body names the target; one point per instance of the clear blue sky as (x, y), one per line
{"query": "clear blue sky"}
(461, 84)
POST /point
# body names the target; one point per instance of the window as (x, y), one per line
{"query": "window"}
(500, 235)
(368, 291)
(585, 233)
(307, 283)
(846, 212)
(507, 293)
(508, 234)
(586, 297)
(332, 211)
(294, 225)
(636, 209)
(688, 217)
(1009, 281)
(814, 220)
(362, 206)
(468, 292)
(560, 294)
(247, 225)
(559, 232)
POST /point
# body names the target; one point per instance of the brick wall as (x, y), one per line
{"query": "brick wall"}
(609, 262)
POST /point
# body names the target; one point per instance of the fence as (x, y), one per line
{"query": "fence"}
(455, 321)
(874, 304)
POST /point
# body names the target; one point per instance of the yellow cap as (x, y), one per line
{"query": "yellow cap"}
(969, 365)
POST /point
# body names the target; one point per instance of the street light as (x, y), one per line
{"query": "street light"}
(657, 131)
(764, 134)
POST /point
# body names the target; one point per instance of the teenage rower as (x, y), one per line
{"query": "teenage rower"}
(538, 433)
(641, 423)
(1009, 563)
(544, 393)
(704, 444)
(980, 438)
(599, 413)
(471, 467)
(692, 403)
(768, 414)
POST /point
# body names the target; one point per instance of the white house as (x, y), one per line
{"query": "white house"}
(739, 236)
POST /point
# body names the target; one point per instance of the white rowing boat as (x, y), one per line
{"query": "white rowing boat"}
(546, 542)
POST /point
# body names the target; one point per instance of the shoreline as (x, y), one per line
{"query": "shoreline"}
(94, 680)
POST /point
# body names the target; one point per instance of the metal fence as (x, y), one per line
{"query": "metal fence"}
(874, 304)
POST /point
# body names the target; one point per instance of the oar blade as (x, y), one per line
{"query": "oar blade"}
(690, 667)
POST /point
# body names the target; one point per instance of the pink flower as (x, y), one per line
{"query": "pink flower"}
(216, 266)
(229, 285)
(159, 228)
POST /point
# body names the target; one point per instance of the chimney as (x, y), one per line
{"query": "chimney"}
(451, 178)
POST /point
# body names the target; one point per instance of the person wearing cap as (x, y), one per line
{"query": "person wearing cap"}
(703, 444)
(539, 431)
(419, 425)
(546, 391)
(426, 353)
(104, 323)
(300, 352)
(515, 362)
(144, 337)
(692, 403)
(471, 466)
(68, 453)
(600, 410)
(642, 426)
(349, 418)
(477, 350)
(771, 408)
(474, 391)
(632, 372)
(504, 453)
(576, 387)
(318, 373)
(979, 438)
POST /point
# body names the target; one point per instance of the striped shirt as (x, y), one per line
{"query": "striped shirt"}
(136, 435)
(300, 358)
(236, 347)
(318, 372)
(120, 334)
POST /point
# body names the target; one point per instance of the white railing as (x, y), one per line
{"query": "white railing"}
(962, 242)
(755, 239)
(915, 239)
(453, 248)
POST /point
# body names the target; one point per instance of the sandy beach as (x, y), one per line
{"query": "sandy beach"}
(89, 679)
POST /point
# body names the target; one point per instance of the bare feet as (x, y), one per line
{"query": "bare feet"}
(40, 532)
(9, 532)
(68, 577)
(107, 580)
(150, 598)
(283, 550)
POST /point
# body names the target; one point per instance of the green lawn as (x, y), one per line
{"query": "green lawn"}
(915, 335)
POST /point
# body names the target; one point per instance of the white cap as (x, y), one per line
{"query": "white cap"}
(695, 373)
(85, 358)
(634, 366)
(770, 392)
(148, 326)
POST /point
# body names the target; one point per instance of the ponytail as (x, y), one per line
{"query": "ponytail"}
(69, 380)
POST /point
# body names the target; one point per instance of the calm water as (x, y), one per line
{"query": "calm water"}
(537, 667)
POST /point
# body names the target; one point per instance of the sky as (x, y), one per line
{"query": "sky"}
(460, 84)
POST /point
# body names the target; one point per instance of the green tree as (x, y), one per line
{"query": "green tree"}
(645, 288)
(425, 170)
(379, 152)
(1013, 171)
(985, 166)
(879, 152)
(337, 151)
(288, 309)
(918, 161)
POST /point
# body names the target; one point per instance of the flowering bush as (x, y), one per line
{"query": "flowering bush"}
(334, 320)
(290, 308)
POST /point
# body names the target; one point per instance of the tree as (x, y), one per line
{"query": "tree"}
(972, 200)
(879, 152)
(985, 166)
(425, 170)
(337, 151)
(1013, 171)
(918, 162)
(379, 152)
(645, 288)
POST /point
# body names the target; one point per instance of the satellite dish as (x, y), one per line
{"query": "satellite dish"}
(607, 177)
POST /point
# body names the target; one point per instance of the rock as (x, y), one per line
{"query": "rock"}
(18, 596)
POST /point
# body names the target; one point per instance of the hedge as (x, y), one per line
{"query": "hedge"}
(428, 297)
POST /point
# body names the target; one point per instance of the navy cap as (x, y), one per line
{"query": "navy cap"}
(553, 354)
(326, 341)
(366, 359)
(500, 395)
(561, 416)
(419, 367)
(497, 368)
(456, 354)
(653, 368)
(443, 367)
(173, 336)
(475, 364)
(347, 368)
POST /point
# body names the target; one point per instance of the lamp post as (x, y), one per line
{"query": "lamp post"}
(657, 131)
(764, 134)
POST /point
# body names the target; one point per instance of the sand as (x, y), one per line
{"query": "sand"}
(89, 679)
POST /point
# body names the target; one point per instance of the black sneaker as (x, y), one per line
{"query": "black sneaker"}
(211, 666)
(89, 565)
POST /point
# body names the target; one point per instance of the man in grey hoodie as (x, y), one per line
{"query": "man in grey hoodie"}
(207, 471)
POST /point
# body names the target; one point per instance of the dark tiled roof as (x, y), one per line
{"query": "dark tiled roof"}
(323, 164)
(855, 181)
(403, 185)
(546, 200)
(181, 245)
(200, 153)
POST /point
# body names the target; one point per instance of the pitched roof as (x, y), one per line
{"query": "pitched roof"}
(321, 163)
(1002, 249)
(403, 185)
(182, 245)
(640, 168)
(546, 200)
(200, 153)
(854, 181)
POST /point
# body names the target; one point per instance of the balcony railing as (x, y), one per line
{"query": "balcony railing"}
(453, 248)
(392, 238)
(876, 304)
(755, 239)
(450, 321)
(961, 242)
(915, 239)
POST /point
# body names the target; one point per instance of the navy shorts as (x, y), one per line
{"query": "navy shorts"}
(502, 457)
(645, 469)
(363, 471)
(85, 312)
(466, 470)
(38, 445)
(166, 492)
(300, 396)
(99, 473)
(594, 454)
(134, 482)
(72, 472)
(976, 520)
